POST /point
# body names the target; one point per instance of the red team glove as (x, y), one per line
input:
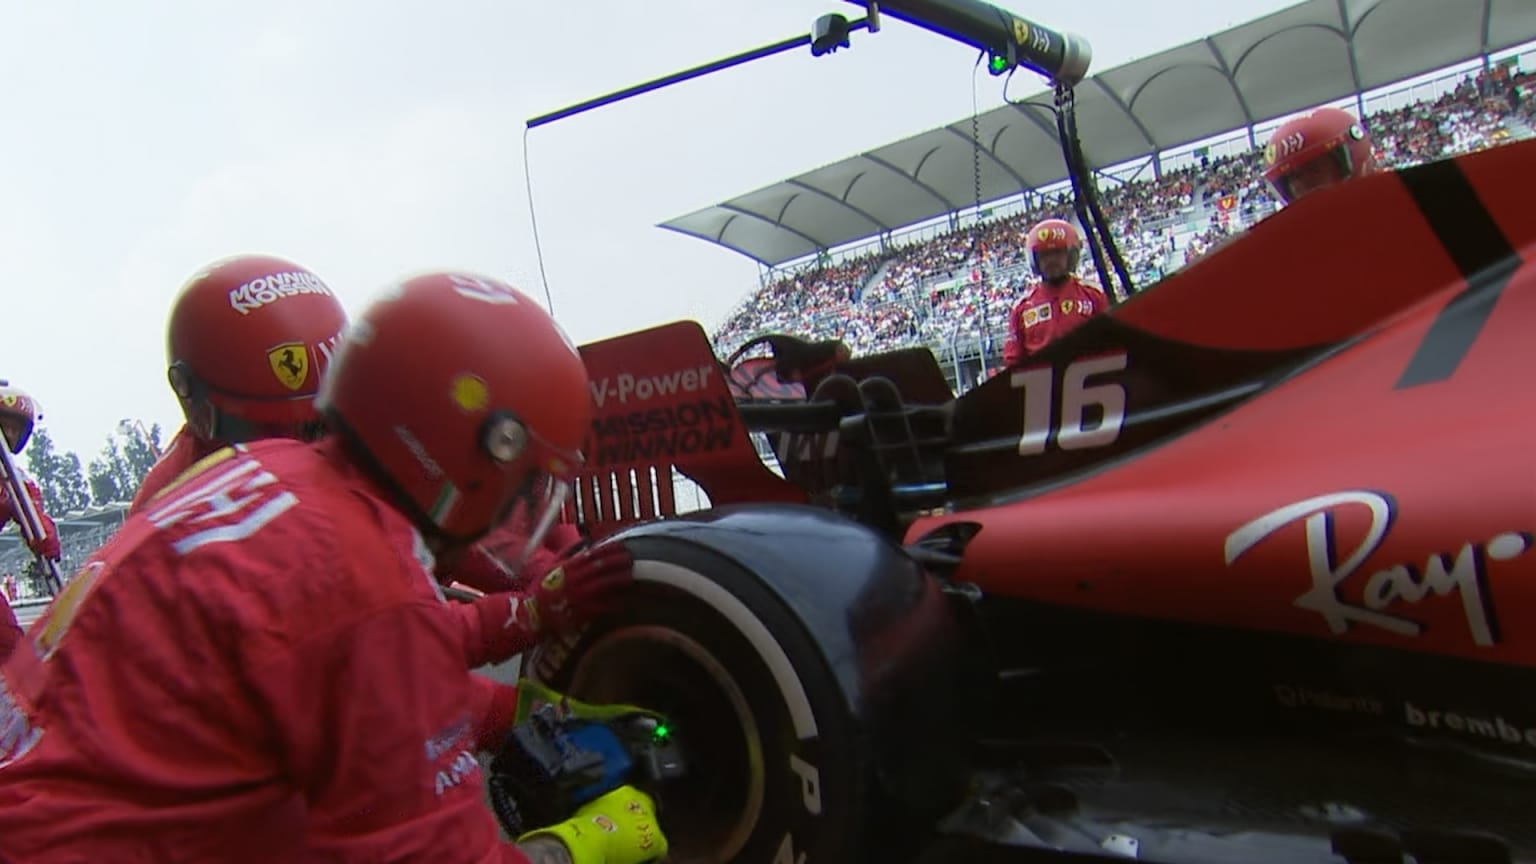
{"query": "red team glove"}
(579, 587)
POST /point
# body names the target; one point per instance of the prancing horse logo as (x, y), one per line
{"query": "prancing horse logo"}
(290, 363)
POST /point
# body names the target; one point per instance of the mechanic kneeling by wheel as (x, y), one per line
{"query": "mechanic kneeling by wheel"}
(258, 667)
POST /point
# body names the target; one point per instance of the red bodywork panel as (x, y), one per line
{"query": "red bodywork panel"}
(663, 401)
(1384, 495)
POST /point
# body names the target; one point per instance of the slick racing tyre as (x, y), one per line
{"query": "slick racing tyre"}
(776, 773)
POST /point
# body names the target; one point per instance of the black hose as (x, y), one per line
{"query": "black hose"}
(1064, 100)
(504, 805)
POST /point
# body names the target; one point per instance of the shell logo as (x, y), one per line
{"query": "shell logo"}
(470, 393)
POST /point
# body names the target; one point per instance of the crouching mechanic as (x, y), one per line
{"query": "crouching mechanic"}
(1060, 301)
(257, 667)
(18, 414)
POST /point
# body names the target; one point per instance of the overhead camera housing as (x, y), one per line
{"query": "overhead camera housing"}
(829, 33)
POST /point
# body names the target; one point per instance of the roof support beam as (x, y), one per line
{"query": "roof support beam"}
(1007, 169)
(801, 184)
(1348, 33)
(1344, 35)
(1146, 134)
(948, 204)
(1228, 73)
(719, 240)
(1048, 128)
(777, 224)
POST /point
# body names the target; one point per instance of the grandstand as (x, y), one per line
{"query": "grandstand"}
(80, 533)
(919, 242)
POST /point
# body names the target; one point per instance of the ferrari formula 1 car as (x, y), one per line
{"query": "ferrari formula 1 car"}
(1234, 572)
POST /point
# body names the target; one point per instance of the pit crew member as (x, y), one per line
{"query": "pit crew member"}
(1315, 151)
(256, 666)
(249, 340)
(1060, 301)
(18, 414)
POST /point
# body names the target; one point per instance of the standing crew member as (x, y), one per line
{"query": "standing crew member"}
(18, 414)
(1060, 301)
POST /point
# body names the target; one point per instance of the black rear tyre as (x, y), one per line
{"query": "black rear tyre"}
(778, 771)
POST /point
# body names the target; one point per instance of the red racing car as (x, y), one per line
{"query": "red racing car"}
(1238, 571)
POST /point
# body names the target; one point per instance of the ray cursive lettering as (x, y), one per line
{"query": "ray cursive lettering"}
(1332, 561)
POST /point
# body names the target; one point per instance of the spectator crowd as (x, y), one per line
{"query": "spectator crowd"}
(958, 287)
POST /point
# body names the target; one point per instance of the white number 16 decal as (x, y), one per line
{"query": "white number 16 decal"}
(1076, 396)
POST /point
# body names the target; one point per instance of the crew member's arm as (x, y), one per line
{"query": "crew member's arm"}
(48, 545)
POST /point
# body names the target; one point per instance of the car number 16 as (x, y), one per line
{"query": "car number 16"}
(1076, 396)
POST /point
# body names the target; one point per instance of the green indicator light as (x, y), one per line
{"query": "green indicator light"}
(662, 732)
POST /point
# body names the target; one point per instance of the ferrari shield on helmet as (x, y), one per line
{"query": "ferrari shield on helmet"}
(467, 398)
(18, 414)
(1320, 149)
(249, 340)
(1052, 234)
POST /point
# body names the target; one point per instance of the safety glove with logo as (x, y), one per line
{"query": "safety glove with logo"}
(582, 585)
(617, 828)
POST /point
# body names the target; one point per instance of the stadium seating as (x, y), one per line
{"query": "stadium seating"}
(953, 292)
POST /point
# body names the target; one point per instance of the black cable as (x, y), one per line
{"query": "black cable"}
(1064, 100)
(1092, 194)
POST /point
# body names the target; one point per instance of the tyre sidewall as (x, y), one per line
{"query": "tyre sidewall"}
(813, 796)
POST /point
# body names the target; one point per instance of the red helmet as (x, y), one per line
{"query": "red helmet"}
(467, 398)
(250, 338)
(1054, 234)
(1324, 147)
(18, 413)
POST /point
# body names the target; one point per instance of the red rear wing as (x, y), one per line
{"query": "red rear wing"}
(661, 402)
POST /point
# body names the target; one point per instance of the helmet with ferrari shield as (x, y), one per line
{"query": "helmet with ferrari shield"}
(249, 339)
(1053, 235)
(18, 414)
(1315, 151)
